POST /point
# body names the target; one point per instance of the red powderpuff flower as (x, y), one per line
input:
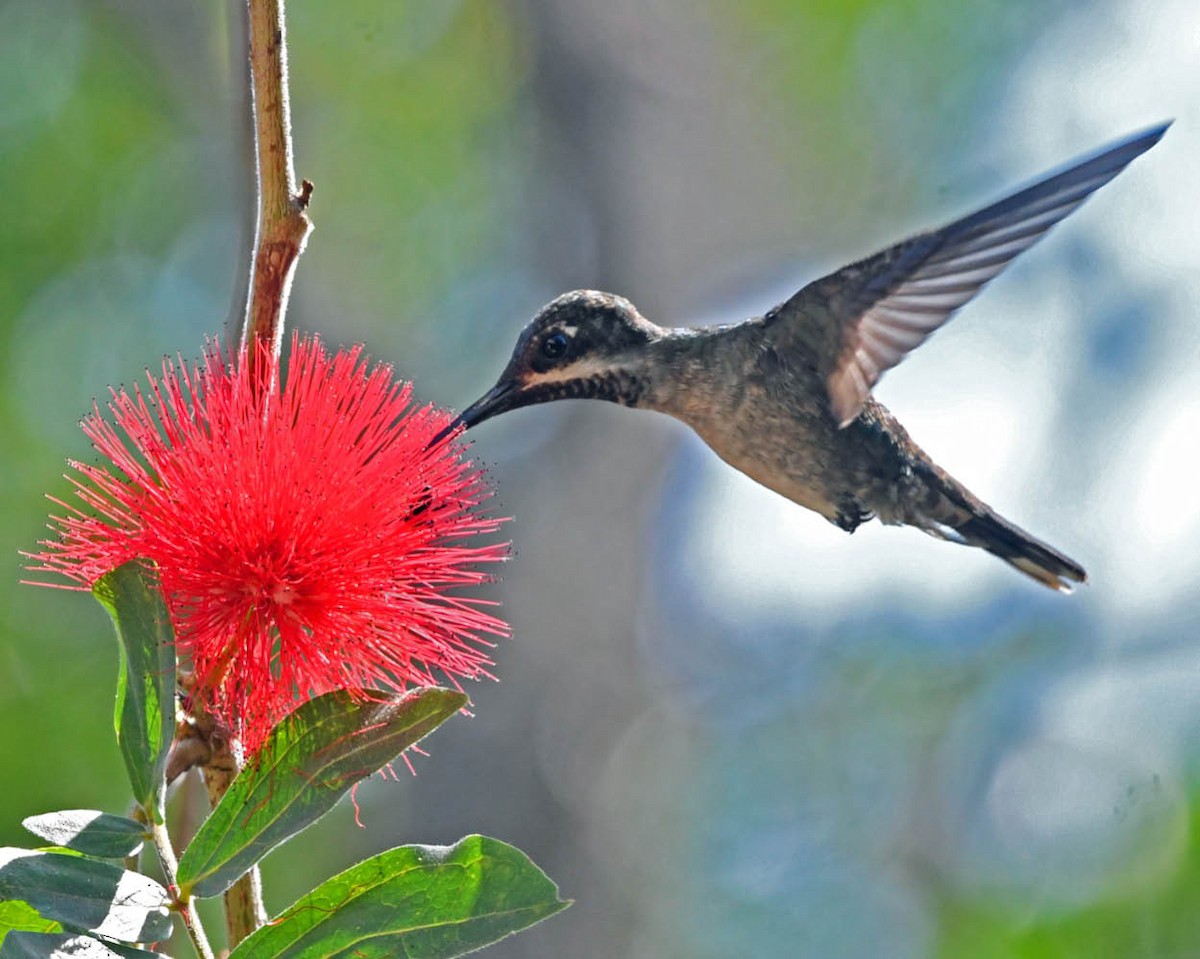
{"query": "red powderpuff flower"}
(307, 537)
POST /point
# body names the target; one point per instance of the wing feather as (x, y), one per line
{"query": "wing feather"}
(887, 305)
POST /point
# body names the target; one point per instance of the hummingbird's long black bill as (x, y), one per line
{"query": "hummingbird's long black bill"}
(499, 399)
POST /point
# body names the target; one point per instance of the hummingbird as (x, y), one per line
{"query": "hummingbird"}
(786, 397)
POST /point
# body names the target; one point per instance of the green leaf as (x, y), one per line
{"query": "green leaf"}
(67, 945)
(86, 894)
(305, 766)
(15, 914)
(421, 902)
(145, 714)
(89, 831)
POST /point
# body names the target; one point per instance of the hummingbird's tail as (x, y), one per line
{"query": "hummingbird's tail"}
(974, 523)
(1030, 555)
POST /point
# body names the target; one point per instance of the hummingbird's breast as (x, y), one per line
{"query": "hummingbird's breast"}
(767, 414)
(765, 417)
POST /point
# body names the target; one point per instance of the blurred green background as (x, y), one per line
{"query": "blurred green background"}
(724, 727)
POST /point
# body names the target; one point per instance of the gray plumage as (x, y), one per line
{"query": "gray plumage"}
(786, 397)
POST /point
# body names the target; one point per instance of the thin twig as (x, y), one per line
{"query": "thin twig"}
(245, 194)
(244, 909)
(282, 229)
(283, 224)
(170, 868)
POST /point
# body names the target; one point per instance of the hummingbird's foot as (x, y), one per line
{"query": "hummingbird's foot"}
(851, 515)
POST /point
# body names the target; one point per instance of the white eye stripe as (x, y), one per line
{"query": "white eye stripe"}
(580, 370)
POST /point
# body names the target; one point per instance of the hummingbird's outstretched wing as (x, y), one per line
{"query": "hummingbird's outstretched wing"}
(877, 310)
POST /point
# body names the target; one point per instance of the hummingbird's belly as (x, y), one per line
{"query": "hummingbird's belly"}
(796, 449)
(802, 490)
(772, 421)
(789, 454)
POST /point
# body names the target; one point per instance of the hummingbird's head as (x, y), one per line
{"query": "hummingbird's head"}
(582, 345)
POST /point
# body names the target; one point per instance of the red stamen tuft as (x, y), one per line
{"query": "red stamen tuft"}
(308, 539)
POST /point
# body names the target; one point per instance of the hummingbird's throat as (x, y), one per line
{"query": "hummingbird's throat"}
(613, 385)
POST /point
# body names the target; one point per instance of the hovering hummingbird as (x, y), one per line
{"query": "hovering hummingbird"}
(786, 397)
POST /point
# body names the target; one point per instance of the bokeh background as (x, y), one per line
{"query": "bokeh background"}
(724, 727)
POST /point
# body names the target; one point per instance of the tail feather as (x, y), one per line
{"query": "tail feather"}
(987, 530)
(955, 514)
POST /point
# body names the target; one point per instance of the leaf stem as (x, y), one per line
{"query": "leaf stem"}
(138, 814)
(170, 868)
(283, 223)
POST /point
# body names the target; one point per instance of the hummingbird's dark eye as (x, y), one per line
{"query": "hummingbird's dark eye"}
(555, 346)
